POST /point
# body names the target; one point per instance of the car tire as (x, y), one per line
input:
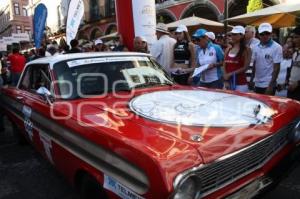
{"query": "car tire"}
(91, 189)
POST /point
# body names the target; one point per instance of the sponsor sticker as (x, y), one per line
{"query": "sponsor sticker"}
(119, 189)
(28, 128)
(80, 62)
(26, 111)
(47, 143)
(27, 122)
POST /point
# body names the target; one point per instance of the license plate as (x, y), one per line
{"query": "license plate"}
(252, 189)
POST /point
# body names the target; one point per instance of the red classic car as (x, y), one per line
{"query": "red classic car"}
(117, 126)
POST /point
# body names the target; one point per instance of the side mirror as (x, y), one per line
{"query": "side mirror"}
(49, 99)
(43, 91)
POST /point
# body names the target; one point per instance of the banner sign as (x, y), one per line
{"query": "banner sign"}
(21, 37)
(39, 21)
(9, 40)
(64, 6)
(75, 13)
(2, 45)
(144, 17)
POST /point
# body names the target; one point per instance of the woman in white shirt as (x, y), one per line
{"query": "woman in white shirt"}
(285, 64)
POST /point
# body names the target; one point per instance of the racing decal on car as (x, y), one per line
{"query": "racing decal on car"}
(119, 189)
(47, 143)
(80, 62)
(27, 122)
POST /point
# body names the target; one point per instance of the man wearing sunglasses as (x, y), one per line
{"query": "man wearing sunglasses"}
(266, 58)
(209, 59)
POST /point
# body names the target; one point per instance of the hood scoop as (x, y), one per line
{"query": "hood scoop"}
(201, 108)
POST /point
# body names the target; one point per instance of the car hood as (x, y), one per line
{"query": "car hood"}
(201, 108)
(215, 123)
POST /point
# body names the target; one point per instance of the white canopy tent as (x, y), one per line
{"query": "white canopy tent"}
(281, 15)
(197, 22)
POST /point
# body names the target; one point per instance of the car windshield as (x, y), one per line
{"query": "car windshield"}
(96, 76)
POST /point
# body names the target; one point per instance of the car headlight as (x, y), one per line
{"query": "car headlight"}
(295, 135)
(188, 188)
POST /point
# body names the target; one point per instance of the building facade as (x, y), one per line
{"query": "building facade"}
(99, 19)
(167, 11)
(99, 15)
(14, 18)
(172, 10)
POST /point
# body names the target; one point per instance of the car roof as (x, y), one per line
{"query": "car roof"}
(65, 57)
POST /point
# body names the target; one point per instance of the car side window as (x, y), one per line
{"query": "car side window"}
(35, 77)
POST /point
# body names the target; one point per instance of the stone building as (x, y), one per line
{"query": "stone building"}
(14, 18)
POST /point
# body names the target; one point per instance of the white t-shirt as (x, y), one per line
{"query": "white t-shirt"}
(295, 71)
(162, 50)
(253, 42)
(209, 56)
(265, 56)
(284, 65)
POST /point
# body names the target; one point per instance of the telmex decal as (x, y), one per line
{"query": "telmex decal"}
(119, 189)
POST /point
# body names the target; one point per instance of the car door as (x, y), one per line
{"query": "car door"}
(35, 81)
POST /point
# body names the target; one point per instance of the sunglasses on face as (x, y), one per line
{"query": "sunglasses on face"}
(197, 38)
(235, 34)
(264, 33)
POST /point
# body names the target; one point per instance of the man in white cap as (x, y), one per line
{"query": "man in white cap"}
(267, 56)
(162, 49)
(98, 45)
(211, 36)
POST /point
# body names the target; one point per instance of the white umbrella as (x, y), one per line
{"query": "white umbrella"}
(281, 15)
(110, 36)
(194, 21)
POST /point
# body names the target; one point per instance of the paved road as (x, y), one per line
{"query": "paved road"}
(25, 174)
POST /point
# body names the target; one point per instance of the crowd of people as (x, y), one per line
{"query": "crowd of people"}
(239, 60)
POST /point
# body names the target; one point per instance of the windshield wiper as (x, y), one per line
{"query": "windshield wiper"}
(152, 84)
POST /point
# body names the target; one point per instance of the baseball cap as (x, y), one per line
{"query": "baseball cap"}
(265, 27)
(211, 35)
(98, 41)
(238, 30)
(200, 33)
(181, 28)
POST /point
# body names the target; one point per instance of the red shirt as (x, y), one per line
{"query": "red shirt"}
(233, 64)
(17, 62)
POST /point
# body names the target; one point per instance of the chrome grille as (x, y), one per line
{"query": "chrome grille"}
(228, 169)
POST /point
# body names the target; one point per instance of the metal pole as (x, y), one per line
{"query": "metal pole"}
(225, 20)
(225, 16)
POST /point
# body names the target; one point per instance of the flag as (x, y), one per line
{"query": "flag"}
(39, 22)
(75, 13)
